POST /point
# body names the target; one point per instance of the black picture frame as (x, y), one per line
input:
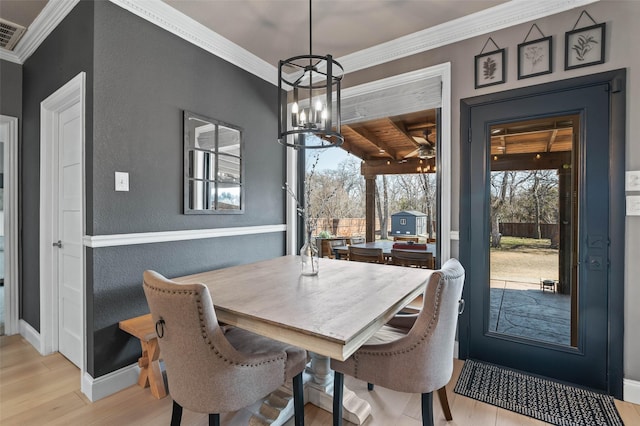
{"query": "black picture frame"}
(535, 57)
(489, 68)
(584, 47)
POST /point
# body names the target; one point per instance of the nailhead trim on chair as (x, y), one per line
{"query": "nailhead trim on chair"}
(424, 336)
(203, 328)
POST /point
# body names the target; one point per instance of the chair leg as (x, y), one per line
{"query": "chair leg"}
(369, 386)
(444, 403)
(214, 419)
(298, 400)
(176, 414)
(427, 409)
(338, 384)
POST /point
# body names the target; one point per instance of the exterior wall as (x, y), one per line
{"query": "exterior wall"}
(623, 32)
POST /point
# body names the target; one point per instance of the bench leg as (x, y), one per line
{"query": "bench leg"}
(150, 371)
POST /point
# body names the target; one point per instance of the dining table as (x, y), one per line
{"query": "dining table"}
(386, 246)
(330, 314)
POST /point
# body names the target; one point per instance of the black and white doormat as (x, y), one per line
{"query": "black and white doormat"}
(542, 399)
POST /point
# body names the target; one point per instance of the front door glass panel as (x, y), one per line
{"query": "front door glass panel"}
(532, 280)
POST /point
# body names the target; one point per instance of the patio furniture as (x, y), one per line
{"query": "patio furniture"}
(548, 284)
(412, 258)
(405, 238)
(361, 254)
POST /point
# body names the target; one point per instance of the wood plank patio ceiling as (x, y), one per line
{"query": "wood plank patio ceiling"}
(390, 145)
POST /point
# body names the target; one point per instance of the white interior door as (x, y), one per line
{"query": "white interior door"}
(62, 289)
(69, 232)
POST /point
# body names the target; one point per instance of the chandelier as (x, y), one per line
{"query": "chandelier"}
(315, 110)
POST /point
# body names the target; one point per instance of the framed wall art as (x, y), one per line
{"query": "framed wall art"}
(585, 46)
(490, 67)
(535, 56)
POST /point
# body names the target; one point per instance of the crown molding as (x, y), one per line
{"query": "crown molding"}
(7, 55)
(52, 14)
(168, 18)
(161, 14)
(486, 21)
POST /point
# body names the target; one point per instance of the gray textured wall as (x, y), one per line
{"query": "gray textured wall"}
(144, 79)
(11, 89)
(66, 52)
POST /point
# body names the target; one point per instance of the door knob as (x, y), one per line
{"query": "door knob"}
(58, 244)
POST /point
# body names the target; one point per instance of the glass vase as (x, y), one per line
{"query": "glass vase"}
(309, 259)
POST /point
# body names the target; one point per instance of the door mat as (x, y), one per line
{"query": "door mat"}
(532, 396)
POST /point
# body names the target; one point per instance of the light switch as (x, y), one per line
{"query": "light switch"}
(632, 181)
(633, 205)
(122, 181)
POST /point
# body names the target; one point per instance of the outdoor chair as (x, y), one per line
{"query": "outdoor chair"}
(413, 258)
(361, 254)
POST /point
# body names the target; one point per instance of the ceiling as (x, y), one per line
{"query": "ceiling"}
(279, 29)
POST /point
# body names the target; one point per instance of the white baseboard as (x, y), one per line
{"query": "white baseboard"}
(631, 390)
(30, 334)
(109, 384)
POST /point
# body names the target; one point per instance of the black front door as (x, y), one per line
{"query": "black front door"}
(536, 227)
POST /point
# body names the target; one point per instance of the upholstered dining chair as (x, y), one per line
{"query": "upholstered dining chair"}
(362, 254)
(419, 360)
(211, 369)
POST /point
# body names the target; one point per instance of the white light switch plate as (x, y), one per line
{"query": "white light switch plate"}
(633, 205)
(122, 181)
(632, 181)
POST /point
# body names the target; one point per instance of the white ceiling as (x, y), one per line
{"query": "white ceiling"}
(359, 33)
(279, 29)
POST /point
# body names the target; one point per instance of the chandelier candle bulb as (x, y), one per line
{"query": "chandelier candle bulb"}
(294, 114)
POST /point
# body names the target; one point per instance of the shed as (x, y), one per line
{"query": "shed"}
(409, 222)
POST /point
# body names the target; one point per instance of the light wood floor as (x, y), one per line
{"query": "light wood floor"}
(36, 390)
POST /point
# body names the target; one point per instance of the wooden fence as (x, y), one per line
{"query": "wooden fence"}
(347, 227)
(528, 230)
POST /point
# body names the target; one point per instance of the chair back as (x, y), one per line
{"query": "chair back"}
(356, 240)
(434, 332)
(362, 254)
(335, 243)
(413, 258)
(205, 372)
(329, 244)
(419, 360)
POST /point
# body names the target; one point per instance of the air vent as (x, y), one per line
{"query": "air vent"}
(10, 34)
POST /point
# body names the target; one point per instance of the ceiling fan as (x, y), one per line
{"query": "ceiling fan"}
(426, 148)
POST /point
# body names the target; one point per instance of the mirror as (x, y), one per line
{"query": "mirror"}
(213, 178)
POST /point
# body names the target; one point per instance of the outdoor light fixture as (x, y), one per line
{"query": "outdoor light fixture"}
(315, 111)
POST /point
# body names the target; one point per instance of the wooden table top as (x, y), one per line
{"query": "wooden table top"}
(331, 314)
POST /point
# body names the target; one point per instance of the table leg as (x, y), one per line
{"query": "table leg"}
(320, 391)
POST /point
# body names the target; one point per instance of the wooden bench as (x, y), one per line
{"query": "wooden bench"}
(143, 328)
